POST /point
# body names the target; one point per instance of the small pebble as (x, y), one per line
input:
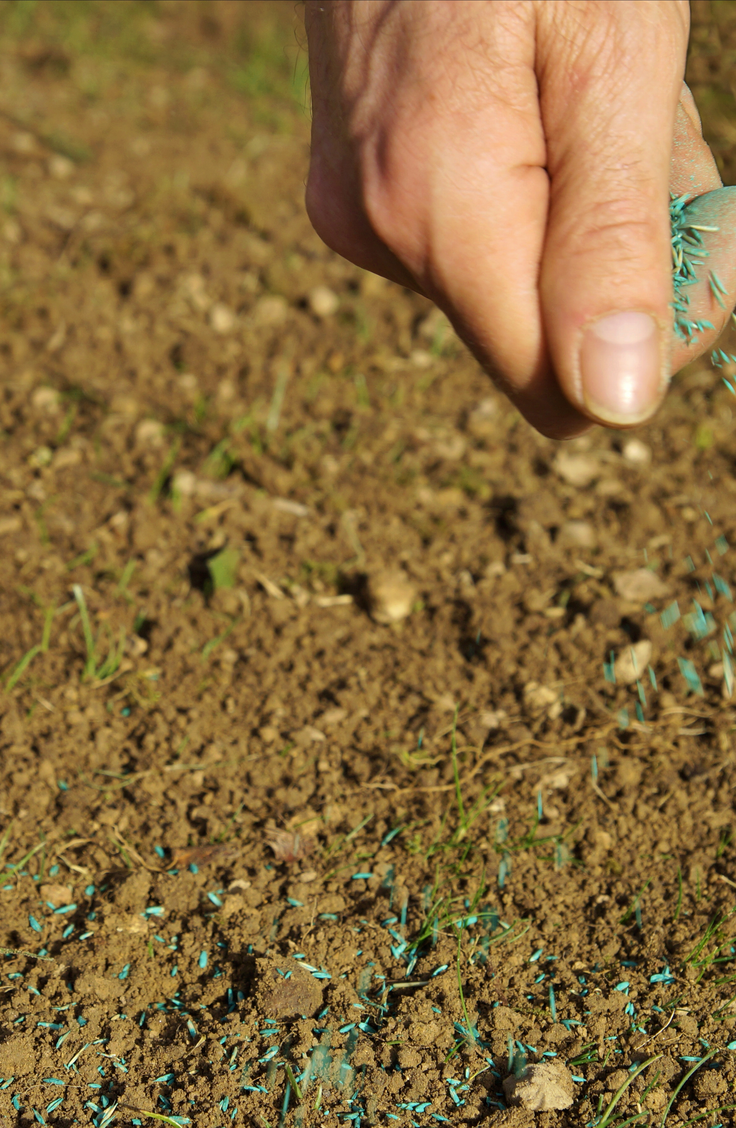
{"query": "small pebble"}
(636, 452)
(577, 534)
(57, 894)
(541, 1088)
(631, 663)
(391, 595)
(323, 301)
(640, 585)
(578, 470)
(420, 358)
(184, 483)
(222, 318)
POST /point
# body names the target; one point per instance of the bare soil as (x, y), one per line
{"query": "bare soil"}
(316, 802)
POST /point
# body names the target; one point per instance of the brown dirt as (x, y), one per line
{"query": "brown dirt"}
(236, 839)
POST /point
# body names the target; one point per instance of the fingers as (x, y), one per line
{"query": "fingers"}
(333, 195)
(512, 161)
(711, 218)
(693, 173)
(442, 117)
(693, 170)
(610, 80)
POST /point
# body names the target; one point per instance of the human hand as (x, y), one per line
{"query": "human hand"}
(512, 160)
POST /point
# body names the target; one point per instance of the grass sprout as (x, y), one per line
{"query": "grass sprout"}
(714, 946)
(606, 1118)
(96, 668)
(683, 1082)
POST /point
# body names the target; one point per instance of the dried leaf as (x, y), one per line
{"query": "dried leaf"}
(200, 855)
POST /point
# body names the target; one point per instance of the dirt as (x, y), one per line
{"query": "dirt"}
(318, 802)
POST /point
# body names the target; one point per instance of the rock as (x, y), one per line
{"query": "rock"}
(631, 662)
(636, 452)
(57, 894)
(184, 483)
(222, 318)
(541, 1088)
(391, 596)
(309, 735)
(333, 716)
(577, 534)
(300, 994)
(323, 301)
(640, 585)
(576, 469)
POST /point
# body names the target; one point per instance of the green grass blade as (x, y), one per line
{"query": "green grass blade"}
(21, 667)
(684, 1082)
(622, 1089)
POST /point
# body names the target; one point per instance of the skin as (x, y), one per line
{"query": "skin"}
(512, 160)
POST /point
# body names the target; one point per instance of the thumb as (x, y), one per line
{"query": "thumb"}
(610, 76)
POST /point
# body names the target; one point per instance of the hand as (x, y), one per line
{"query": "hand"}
(512, 160)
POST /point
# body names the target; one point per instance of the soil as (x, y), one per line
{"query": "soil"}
(318, 802)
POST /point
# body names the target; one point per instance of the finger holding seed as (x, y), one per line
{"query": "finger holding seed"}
(513, 161)
(703, 216)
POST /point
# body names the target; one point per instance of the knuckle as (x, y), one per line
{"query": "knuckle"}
(623, 228)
